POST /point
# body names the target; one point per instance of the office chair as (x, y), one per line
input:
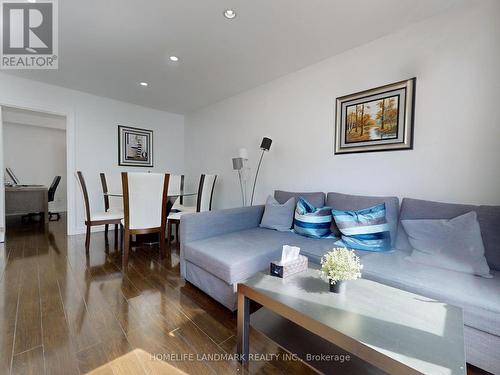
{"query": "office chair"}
(51, 194)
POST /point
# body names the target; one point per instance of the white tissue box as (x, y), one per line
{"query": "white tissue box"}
(290, 268)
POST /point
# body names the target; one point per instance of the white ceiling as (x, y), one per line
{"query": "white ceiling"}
(108, 46)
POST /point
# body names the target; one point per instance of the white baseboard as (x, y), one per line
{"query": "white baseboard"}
(58, 208)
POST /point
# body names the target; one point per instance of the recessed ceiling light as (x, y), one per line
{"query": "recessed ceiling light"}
(229, 14)
(174, 58)
(145, 84)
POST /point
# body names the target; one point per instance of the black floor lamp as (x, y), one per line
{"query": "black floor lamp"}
(264, 146)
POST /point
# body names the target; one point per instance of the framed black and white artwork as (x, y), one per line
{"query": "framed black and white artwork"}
(135, 147)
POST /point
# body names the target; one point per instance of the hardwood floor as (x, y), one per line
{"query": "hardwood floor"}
(64, 313)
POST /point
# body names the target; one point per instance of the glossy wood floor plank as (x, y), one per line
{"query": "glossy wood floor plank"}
(29, 317)
(91, 358)
(30, 362)
(58, 353)
(80, 325)
(9, 296)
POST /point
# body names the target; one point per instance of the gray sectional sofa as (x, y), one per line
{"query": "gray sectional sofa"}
(221, 248)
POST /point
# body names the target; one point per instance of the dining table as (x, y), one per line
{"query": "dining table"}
(172, 197)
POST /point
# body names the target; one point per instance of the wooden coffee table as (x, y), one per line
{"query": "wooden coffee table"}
(391, 329)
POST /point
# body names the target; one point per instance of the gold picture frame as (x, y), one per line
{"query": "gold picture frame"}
(379, 119)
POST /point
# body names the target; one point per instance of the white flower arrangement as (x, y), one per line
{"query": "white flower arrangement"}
(340, 264)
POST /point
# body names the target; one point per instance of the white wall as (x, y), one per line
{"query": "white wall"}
(36, 155)
(456, 59)
(95, 120)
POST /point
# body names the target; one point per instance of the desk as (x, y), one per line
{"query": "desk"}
(22, 200)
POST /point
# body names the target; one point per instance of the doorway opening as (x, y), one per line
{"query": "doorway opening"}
(34, 166)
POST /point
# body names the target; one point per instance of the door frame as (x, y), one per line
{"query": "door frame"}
(69, 114)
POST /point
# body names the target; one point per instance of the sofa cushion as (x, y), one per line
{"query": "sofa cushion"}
(453, 244)
(236, 256)
(311, 221)
(477, 296)
(487, 216)
(278, 216)
(317, 199)
(233, 257)
(365, 229)
(347, 202)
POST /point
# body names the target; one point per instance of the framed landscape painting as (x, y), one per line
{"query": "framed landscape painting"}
(135, 147)
(380, 119)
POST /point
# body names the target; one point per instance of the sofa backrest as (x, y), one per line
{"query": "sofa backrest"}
(317, 199)
(341, 201)
(487, 216)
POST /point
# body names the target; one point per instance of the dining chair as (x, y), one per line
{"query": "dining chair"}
(203, 203)
(176, 185)
(104, 185)
(145, 208)
(95, 218)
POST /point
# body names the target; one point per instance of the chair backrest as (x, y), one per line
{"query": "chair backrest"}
(85, 194)
(53, 187)
(176, 185)
(104, 185)
(145, 200)
(205, 192)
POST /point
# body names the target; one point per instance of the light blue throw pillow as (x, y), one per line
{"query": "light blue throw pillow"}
(365, 229)
(310, 221)
(278, 216)
(454, 244)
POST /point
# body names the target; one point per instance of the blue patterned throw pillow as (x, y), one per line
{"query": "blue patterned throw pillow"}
(365, 229)
(310, 221)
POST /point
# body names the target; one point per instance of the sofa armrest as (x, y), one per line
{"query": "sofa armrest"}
(208, 224)
(198, 226)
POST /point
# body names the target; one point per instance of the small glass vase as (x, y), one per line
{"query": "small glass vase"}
(338, 287)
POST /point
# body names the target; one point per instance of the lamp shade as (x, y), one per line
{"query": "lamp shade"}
(237, 164)
(243, 153)
(266, 144)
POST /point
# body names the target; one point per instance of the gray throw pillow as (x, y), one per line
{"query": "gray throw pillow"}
(278, 216)
(454, 244)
